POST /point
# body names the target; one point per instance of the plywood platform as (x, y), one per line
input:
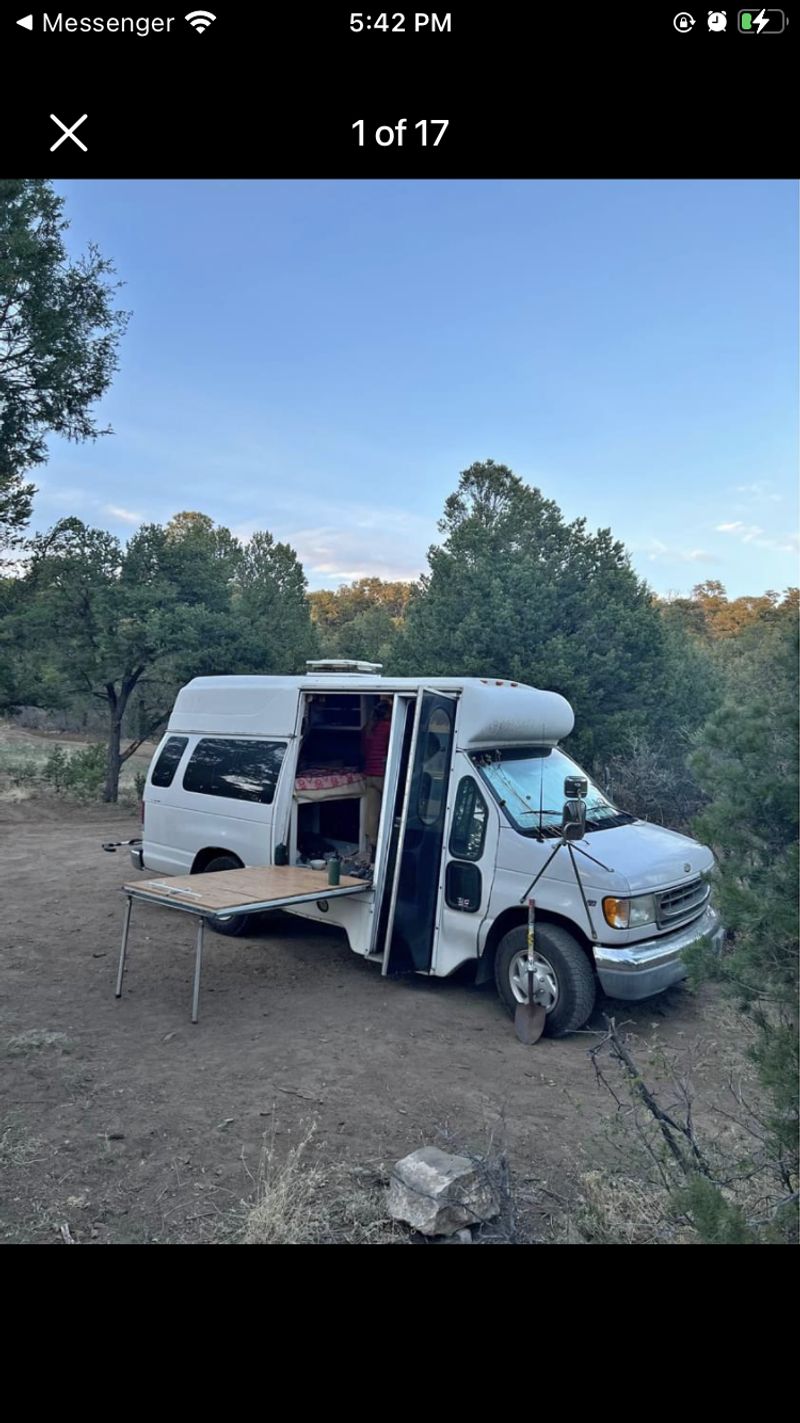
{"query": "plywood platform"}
(243, 891)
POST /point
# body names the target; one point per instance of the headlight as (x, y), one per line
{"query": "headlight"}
(630, 913)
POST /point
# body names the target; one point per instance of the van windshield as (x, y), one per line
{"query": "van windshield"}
(528, 782)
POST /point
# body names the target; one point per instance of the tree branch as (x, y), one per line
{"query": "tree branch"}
(147, 733)
(668, 1127)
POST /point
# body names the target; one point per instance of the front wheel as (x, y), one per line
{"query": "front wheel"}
(237, 924)
(564, 979)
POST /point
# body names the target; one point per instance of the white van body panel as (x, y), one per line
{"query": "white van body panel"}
(179, 824)
(237, 706)
(351, 913)
(504, 714)
(649, 856)
(493, 713)
(640, 858)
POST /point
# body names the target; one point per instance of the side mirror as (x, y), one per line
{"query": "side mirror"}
(575, 787)
(573, 820)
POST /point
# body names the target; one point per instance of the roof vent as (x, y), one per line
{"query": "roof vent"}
(340, 665)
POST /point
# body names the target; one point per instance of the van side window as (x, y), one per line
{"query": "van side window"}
(169, 760)
(435, 743)
(239, 770)
(468, 831)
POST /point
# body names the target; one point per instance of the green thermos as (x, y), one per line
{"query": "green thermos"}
(334, 870)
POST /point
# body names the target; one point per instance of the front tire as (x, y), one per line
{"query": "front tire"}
(239, 924)
(564, 976)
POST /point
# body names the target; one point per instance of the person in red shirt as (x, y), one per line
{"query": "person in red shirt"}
(374, 749)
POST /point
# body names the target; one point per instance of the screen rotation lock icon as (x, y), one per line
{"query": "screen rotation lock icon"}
(683, 23)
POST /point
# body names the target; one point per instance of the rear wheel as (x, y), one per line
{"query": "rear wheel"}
(238, 924)
(564, 980)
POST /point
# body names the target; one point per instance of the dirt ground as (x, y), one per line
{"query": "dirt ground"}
(122, 1122)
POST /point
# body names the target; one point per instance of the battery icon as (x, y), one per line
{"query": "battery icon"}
(762, 22)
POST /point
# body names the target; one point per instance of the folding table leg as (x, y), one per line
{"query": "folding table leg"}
(198, 963)
(124, 949)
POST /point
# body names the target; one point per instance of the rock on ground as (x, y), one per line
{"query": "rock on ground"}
(438, 1193)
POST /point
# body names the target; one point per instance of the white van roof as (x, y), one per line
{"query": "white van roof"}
(494, 711)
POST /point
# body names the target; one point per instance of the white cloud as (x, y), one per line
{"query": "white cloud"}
(658, 552)
(745, 532)
(754, 534)
(388, 546)
(126, 516)
(342, 555)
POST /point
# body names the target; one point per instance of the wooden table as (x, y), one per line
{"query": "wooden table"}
(229, 892)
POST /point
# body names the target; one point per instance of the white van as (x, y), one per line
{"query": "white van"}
(267, 770)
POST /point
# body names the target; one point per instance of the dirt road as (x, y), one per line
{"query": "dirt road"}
(122, 1122)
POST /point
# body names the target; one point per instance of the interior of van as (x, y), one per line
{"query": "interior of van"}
(330, 813)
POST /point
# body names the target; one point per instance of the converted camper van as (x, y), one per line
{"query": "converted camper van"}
(269, 770)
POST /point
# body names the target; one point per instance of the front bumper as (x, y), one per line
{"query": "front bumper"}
(642, 970)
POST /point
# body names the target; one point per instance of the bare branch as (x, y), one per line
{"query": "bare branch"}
(670, 1130)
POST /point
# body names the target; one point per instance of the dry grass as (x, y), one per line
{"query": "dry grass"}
(35, 1039)
(18, 1148)
(299, 1201)
(624, 1210)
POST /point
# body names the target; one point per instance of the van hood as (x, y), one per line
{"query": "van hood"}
(648, 856)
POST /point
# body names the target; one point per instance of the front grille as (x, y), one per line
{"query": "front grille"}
(684, 902)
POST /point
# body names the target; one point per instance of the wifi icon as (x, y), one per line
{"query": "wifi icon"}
(200, 20)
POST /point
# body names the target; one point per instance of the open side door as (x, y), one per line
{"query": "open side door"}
(412, 909)
(394, 781)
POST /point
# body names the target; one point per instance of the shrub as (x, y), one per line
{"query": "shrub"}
(79, 775)
(56, 769)
(86, 773)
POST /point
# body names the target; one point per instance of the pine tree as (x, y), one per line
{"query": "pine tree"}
(747, 762)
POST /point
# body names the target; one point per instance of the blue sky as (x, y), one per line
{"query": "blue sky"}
(322, 359)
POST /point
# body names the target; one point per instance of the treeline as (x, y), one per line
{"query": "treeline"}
(88, 625)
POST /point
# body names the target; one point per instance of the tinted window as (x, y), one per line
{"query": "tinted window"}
(240, 770)
(468, 831)
(463, 887)
(435, 748)
(167, 763)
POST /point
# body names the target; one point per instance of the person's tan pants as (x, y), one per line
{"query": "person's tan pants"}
(372, 809)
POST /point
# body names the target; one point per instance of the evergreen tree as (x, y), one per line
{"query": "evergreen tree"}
(127, 626)
(515, 591)
(747, 762)
(59, 335)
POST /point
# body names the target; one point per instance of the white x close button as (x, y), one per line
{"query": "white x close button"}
(69, 133)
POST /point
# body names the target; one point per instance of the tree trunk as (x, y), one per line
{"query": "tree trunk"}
(117, 702)
(113, 758)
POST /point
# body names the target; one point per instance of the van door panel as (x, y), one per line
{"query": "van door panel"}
(420, 850)
(473, 832)
(386, 849)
